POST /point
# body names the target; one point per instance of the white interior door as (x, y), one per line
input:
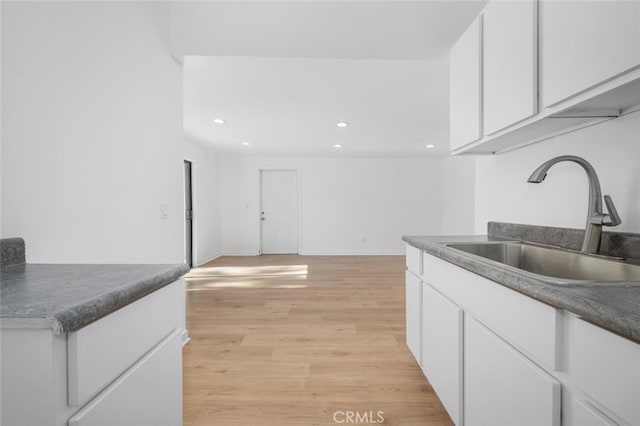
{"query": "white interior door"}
(279, 211)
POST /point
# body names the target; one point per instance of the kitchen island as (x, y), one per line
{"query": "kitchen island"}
(91, 345)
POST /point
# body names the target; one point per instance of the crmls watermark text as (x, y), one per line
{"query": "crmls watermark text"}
(358, 417)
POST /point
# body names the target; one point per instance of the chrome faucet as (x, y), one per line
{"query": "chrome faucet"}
(595, 217)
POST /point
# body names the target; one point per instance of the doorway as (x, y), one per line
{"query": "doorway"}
(279, 211)
(188, 216)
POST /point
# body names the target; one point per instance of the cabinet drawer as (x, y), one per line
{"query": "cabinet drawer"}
(414, 260)
(102, 351)
(606, 367)
(528, 324)
(148, 394)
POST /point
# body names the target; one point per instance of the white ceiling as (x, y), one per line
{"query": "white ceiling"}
(283, 73)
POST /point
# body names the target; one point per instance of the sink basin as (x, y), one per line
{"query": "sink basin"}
(551, 262)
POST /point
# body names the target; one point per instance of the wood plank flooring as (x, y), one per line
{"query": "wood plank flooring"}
(295, 340)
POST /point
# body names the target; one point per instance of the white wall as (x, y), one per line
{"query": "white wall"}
(458, 209)
(92, 132)
(343, 201)
(613, 148)
(206, 201)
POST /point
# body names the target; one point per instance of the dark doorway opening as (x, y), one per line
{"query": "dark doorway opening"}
(188, 217)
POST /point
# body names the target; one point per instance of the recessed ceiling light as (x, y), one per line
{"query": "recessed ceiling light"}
(246, 143)
(218, 121)
(337, 145)
(430, 145)
(342, 124)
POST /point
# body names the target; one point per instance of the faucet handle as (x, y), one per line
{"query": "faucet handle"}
(613, 218)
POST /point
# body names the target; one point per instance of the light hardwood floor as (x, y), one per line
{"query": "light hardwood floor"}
(291, 340)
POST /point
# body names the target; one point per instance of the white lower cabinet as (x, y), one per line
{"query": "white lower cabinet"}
(413, 294)
(141, 396)
(503, 387)
(606, 367)
(123, 369)
(495, 356)
(442, 323)
(100, 352)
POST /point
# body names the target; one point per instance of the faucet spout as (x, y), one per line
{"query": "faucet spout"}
(596, 218)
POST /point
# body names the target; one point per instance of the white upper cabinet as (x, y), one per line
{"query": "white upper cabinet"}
(548, 67)
(586, 43)
(465, 83)
(510, 63)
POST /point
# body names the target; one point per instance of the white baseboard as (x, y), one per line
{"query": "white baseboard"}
(352, 253)
(208, 259)
(240, 253)
(322, 253)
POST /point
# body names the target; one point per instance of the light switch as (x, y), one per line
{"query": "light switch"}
(164, 211)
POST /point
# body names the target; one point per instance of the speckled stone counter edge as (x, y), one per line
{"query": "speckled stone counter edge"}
(12, 251)
(561, 296)
(89, 311)
(85, 313)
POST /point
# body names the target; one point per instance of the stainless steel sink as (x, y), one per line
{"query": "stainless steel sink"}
(551, 262)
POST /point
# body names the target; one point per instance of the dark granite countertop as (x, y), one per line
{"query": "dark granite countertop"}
(69, 297)
(613, 306)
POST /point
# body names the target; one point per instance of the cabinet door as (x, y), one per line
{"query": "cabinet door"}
(509, 63)
(502, 387)
(465, 85)
(413, 302)
(148, 394)
(442, 349)
(584, 414)
(414, 260)
(584, 43)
